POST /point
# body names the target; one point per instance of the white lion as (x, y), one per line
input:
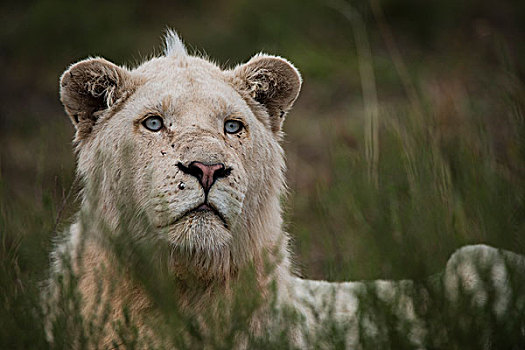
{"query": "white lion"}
(197, 150)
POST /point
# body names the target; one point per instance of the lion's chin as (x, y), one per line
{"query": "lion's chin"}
(201, 246)
(200, 231)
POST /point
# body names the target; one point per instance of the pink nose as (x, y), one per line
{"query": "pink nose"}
(205, 173)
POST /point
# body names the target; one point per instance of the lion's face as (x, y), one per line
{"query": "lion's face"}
(204, 161)
(176, 125)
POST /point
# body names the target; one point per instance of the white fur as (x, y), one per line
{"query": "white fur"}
(173, 45)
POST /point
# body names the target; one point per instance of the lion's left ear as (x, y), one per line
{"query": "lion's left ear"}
(91, 87)
(271, 81)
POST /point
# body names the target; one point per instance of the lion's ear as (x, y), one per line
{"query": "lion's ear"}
(271, 81)
(91, 87)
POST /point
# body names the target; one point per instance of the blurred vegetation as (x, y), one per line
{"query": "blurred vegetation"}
(385, 194)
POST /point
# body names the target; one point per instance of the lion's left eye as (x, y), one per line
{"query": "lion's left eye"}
(233, 126)
(153, 123)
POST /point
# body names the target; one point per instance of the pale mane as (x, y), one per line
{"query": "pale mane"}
(173, 45)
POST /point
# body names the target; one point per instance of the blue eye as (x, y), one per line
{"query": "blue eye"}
(153, 123)
(232, 126)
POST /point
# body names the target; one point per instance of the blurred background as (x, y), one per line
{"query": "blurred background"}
(406, 142)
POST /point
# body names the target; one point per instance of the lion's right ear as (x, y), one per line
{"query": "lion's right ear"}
(272, 82)
(91, 87)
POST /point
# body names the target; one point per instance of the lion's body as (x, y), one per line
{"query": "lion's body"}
(120, 161)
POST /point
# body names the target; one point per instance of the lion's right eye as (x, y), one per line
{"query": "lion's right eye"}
(233, 126)
(153, 123)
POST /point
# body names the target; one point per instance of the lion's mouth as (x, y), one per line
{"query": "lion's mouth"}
(202, 208)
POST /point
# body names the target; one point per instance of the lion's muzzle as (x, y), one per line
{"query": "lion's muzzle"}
(207, 174)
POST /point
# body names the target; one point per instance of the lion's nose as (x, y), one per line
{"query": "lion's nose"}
(205, 173)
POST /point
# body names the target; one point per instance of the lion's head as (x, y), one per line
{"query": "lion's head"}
(205, 162)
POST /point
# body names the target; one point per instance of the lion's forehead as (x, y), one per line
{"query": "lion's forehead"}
(188, 94)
